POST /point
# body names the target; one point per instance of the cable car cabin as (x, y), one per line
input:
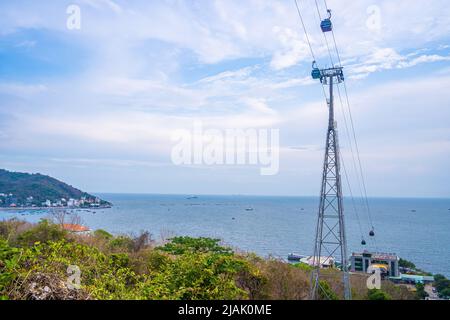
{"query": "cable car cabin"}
(371, 233)
(326, 25)
(315, 73)
(363, 242)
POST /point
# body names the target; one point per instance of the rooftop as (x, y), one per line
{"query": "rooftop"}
(74, 227)
(377, 255)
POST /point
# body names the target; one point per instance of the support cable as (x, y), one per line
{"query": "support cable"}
(345, 123)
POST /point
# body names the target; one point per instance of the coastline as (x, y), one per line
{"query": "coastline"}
(49, 208)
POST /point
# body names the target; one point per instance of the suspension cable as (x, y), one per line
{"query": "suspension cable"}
(308, 41)
(359, 173)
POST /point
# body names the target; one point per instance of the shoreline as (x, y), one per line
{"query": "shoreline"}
(50, 208)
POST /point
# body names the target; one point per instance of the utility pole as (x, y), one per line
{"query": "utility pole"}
(330, 237)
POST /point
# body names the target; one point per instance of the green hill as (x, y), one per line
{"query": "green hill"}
(24, 189)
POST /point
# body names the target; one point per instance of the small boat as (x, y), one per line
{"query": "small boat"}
(413, 210)
(193, 197)
(294, 257)
(248, 209)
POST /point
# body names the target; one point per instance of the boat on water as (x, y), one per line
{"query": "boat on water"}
(295, 257)
(248, 209)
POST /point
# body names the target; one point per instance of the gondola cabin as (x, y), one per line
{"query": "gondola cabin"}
(316, 73)
(326, 25)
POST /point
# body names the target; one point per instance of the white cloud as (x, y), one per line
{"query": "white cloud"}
(19, 89)
(388, 58)
(293, 49)
(155, 66)
(259, 105)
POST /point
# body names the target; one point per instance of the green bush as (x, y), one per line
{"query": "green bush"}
(181, 245)
(406, 264)
(442, 285)
(121, 243)
(325, 291)
(198, 276)
(303, 266)
(44, 231)
(156, 261)
(378, 294)
(102, 234)
(9, 257)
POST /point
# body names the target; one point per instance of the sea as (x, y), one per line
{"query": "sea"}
(416, 229)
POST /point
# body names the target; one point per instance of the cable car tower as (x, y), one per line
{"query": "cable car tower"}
(330, 237)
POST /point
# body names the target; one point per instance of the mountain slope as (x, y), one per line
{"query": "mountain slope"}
(40, 187)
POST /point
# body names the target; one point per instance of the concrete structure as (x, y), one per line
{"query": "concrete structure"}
(412, 279)
(322, 262)
(360, 262)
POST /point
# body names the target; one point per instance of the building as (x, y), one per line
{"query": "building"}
(412, 279)
(73, 227)
(325, 262)
(386, 262)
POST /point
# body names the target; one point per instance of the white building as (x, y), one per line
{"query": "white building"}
(325, 262)
(388, 261)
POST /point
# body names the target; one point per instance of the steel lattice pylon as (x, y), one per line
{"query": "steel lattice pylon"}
(330, 237)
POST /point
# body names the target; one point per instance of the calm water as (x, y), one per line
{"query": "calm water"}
(278, 225)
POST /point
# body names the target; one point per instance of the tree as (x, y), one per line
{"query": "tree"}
(442, 285)
(421, 293)
(406, 264)
(182, 245)
(378, 294)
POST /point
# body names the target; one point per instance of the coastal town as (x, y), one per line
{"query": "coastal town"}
(9, 200)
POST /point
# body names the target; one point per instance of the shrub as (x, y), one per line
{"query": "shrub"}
(157, 261)
(325, 291)
(102, 234)
(406, 264)
(121, 243)
(303, 266)
(420, 291)
(8, 263)
(442, 285)
(198, 276)
(282, 281)
(44, 231)
(181, 245)
(378, 294)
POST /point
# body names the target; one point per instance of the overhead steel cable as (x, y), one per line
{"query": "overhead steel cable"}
(308, 41)
(304, 29)
(359, 173)
(354, 137)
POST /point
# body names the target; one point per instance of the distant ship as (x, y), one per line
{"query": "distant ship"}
(295, 257)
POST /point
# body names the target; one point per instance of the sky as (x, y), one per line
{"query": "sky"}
(97, 106)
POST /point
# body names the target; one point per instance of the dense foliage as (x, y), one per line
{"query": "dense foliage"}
(406, 264)
(378, 294)
(442, 285)
(40, 187)
(34, 262)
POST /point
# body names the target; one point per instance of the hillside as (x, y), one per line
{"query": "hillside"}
(24, 189)
(34, 260)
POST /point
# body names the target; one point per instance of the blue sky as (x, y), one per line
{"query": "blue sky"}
(96, 107)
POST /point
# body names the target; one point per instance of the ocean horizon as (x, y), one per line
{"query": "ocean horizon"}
(276, 225)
